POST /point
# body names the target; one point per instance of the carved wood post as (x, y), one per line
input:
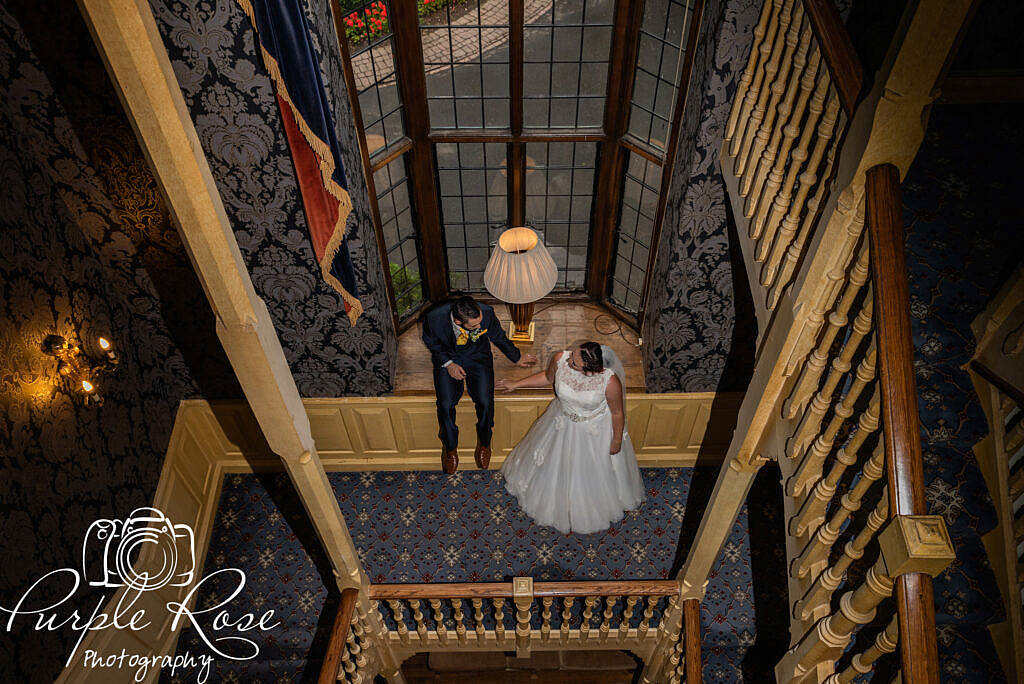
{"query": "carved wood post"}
(522, 596)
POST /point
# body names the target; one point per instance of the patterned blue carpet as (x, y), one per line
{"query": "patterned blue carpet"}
(963, 239)
(425, 526)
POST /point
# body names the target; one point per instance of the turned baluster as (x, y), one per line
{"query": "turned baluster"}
(499, 620)
(826, 535)
(813, 510)
(606, 617)
(567, 604)
(785, 208)
(417, 618)
(753, 92)
(779, 269)
(588, 613)
(774, 106)
(627, 615)
(837, 320)
(848, 207)
(348, 657)
(675, 660)
(828, 581)
(862, 663)
(658, 664)
(831, 634)
(545, 619)
(767, 14)
(770, 69)
(460, 626)
(771, 204)
(359, 652)
(439, 627)
(478, 619)
(650, 602)
(809, 471)
(397, 609)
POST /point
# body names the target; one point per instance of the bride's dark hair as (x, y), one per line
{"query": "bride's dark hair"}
(593, 359)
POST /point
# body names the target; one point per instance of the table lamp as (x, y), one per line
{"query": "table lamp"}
(519, 273)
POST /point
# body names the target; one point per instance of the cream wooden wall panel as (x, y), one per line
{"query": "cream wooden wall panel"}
(417, 429)
(374, 431)
(637, 415)
(663, 426)
(194, 468)
(329, 430)
(511, 424)
(698, 427)
(390, 433)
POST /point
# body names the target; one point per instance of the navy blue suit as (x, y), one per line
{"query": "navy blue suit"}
(478, 362)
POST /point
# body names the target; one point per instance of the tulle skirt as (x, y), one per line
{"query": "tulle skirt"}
(563, 476)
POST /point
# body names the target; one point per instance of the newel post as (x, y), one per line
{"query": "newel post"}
(522, 596)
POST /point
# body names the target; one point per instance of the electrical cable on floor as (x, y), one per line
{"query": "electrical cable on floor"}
(616, 324)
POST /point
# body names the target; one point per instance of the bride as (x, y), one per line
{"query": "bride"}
(576, 470)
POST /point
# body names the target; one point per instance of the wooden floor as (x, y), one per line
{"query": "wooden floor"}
(558, 326)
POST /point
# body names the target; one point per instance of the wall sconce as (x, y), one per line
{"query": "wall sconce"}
(79, 371)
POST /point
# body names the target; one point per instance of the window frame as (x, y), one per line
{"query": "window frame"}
(614, 145)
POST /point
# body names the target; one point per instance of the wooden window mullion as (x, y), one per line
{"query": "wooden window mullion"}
(670, 151)
(625, 42)
(413, 89)
(357, 121)
(516, 164)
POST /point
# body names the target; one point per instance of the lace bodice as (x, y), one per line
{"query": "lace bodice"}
(581, 395)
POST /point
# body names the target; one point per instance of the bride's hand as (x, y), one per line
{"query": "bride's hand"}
(615, 448)
(504, 385)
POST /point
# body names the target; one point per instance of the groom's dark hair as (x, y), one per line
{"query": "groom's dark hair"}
(465, 308)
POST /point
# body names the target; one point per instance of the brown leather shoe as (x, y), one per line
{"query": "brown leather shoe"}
(449, 460)
(482, 455)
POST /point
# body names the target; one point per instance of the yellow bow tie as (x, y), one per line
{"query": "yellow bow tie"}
(466, 336)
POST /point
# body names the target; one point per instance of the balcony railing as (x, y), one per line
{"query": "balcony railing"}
(646, 617)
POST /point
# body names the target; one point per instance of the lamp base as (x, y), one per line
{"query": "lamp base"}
(521, 329)
(519, 335)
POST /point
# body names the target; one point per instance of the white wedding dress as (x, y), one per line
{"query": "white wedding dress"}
(561, 472)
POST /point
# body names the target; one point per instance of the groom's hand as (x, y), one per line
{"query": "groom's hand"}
(527, 360)
(456, 371)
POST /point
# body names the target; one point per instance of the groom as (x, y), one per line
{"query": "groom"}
(459, 336)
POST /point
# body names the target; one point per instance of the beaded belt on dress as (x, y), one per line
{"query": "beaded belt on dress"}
(579, 418)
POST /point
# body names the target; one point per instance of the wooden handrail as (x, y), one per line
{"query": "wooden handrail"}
(838, 51)
(901, 432)
(471, 590)
(339, 635)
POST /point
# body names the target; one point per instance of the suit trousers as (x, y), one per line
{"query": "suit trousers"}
(480, 384)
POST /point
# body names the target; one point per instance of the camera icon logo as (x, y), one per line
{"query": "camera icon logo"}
(145, 551)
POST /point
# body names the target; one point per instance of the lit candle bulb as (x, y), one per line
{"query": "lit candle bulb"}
(87, 387)
(105, 346)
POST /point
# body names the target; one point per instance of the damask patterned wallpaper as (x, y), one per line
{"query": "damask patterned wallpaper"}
(694, 342)
(86, 249)
(211, 44)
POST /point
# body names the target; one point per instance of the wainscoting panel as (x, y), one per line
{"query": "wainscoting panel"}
(400, 432)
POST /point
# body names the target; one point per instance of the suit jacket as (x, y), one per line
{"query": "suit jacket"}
(439, 337)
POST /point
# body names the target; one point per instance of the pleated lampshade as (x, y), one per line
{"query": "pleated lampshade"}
(520, 270)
